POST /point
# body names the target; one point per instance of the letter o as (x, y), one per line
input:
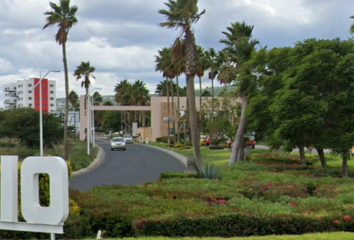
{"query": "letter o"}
(57, 169)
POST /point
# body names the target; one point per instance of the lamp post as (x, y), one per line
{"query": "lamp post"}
(93, 120)
(89, 118)
(41, 110)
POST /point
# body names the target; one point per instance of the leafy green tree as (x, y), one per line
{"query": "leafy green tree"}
(351, 30)
(96, 98)
(182, 14)
(63, 15)
(312, 108)
(239, 48)
(22, 124)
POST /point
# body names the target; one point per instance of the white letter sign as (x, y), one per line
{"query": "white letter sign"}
(38, 219)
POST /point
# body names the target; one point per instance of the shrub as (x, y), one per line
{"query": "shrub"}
(216, 147)
(210, 172)
(167, 175)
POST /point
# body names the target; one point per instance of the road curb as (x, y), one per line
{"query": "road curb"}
(95, 164)
(178, 156)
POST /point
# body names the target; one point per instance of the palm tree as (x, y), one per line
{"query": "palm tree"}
(85, 70)
(239, 49)
(202, 66)
(124, 97)
(73, 98)
(182, 14)
(214, 61)
(164, 65)
(351, 30)
(64, 16)
(141, 98)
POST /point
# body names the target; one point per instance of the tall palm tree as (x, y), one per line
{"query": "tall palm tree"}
(124, 97)
(182, 14)
(239, 49)
(351, 30)
(141, 98)
(164, 65)
(85, 70)
(214, 62)
(63, 15)
(202, 66)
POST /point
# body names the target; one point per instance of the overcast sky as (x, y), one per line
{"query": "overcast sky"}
(120, 38)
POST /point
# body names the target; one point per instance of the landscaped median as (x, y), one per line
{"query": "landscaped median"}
(269, 194)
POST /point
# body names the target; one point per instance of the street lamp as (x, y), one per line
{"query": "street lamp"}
(41, 110)
(93, 120)
(88, 106)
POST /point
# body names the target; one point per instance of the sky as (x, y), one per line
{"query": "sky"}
(121, 38)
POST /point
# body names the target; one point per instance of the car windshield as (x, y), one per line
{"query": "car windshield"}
(128, 136)
(117, 140)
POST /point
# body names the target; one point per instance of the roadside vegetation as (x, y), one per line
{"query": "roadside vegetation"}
(269, 194)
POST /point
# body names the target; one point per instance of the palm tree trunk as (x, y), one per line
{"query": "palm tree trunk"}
(168, 113)
(173, 113)
(237, 153)
(212, 99)
(193, 120)
(66, 142)
(178, 110)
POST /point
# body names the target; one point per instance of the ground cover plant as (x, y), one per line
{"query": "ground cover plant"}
(270, 193)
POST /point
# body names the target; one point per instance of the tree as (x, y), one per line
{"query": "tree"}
(141, 98)
(202, 66)
(351, 30)
(85, 70)
(164, 65)
(64, 16)
(22, 124)
(214, 62)
(239, 49)
(96, 98)
(124, 97)
(182, 14)
(313, 107)
(73, 98)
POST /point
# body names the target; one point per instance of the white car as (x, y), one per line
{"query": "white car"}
(118, 143)
(128, 138)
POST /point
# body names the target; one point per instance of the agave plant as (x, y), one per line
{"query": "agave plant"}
(210, 172)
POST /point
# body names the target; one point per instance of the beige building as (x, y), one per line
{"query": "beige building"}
(159, 115)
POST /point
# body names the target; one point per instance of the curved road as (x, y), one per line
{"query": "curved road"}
(136, 165)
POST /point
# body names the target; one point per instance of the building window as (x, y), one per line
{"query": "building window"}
(30, 105)
(51, 91)
(29, 91)
(44, 85)
(51, 98)
(51, 85)
(20, 86)
(30, 85)
(20, 92)
(52, 105)
(44, 91)
(30, 98)
(44, 105)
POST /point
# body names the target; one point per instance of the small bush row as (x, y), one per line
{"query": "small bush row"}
(231, 225)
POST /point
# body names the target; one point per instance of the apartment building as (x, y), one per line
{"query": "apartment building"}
(23, 94)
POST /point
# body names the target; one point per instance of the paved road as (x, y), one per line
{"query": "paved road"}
(136, 165)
